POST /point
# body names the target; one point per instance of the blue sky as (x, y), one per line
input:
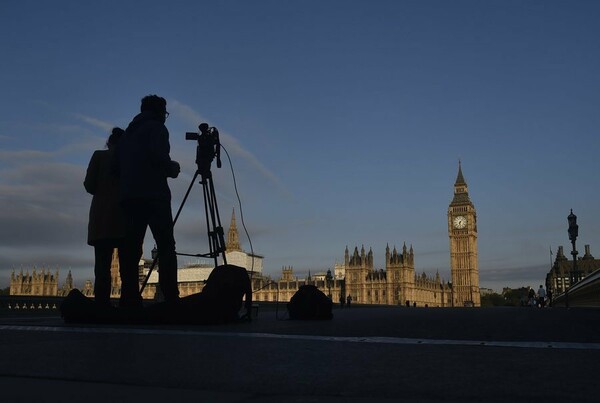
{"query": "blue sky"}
(344, 120)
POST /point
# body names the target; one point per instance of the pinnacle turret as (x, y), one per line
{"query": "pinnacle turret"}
(233, 239)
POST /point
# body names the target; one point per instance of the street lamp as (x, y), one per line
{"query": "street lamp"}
(573, 232)
(329, 278)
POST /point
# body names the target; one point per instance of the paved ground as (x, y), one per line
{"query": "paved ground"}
(363, 355)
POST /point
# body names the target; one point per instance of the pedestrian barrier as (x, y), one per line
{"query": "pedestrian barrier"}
(583, 294)
(29, 303)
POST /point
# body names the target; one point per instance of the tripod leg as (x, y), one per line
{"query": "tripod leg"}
(208, 208)
(154, 261)
(216, 237)
(185, 197)
(219, 228)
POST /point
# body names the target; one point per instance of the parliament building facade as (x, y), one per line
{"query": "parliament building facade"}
(398, 283)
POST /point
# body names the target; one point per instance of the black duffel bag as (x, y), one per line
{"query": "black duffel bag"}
(310, 303)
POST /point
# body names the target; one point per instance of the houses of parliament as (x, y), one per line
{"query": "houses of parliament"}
(396, 284)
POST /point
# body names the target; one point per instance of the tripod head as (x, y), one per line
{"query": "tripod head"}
(208, 147)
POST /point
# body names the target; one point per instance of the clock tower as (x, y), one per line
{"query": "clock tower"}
(462, 230)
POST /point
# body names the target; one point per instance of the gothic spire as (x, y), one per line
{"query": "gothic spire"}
(233, 239)
(461, 192)
(460, 180)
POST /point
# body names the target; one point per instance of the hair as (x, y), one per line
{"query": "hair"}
(114, 137)
(153, 103)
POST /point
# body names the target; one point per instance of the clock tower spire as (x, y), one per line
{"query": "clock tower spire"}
(462, 230)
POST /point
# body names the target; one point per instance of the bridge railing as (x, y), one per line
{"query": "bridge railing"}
(29, 302)
(585, 293)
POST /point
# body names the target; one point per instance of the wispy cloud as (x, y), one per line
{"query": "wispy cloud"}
(101, 124)
(522, 274)
(24, 155)
(233, 146)
(186, 112)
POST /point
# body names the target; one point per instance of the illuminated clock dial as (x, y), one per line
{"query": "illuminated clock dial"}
(460, 222)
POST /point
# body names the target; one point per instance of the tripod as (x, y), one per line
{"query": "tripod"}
(207, 149)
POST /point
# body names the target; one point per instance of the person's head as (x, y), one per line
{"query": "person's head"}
(114, 137)
(155, 105)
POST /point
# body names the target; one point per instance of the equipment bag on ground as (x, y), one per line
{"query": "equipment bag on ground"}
(310, 303)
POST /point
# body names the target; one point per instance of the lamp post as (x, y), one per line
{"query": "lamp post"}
(573, 232)
(328, 279)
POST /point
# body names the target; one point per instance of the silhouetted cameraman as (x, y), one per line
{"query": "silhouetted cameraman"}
(145, 165)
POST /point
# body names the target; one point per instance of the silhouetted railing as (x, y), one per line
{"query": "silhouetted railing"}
(585, 293)
(28, 303)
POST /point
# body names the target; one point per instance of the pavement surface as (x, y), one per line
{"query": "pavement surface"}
(365, 354)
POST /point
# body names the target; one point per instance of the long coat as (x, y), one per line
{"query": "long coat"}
(106, 217)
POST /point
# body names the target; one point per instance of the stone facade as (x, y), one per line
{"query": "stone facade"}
(398, 284)
(266, 289)
(558, 278)
(42, 283)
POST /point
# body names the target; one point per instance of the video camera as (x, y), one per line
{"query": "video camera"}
(208, 147)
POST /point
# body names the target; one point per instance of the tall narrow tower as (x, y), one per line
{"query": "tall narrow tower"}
(462, 230)
(233, 239)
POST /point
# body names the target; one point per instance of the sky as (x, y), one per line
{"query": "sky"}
(344, 122)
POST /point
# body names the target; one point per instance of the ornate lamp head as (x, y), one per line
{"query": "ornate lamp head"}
(573, 227)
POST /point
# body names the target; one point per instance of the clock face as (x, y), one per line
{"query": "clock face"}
(460, 222)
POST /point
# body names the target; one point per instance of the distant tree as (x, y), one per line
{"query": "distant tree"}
(516, 297)
(493, 299)
(5, 291)
(509, 297)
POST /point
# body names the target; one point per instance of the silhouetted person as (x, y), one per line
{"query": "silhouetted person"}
(144, 166)
(523, 298)
(531, 296)
(541, 296)
(349, 300)
(105, 227)
(342, 300)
